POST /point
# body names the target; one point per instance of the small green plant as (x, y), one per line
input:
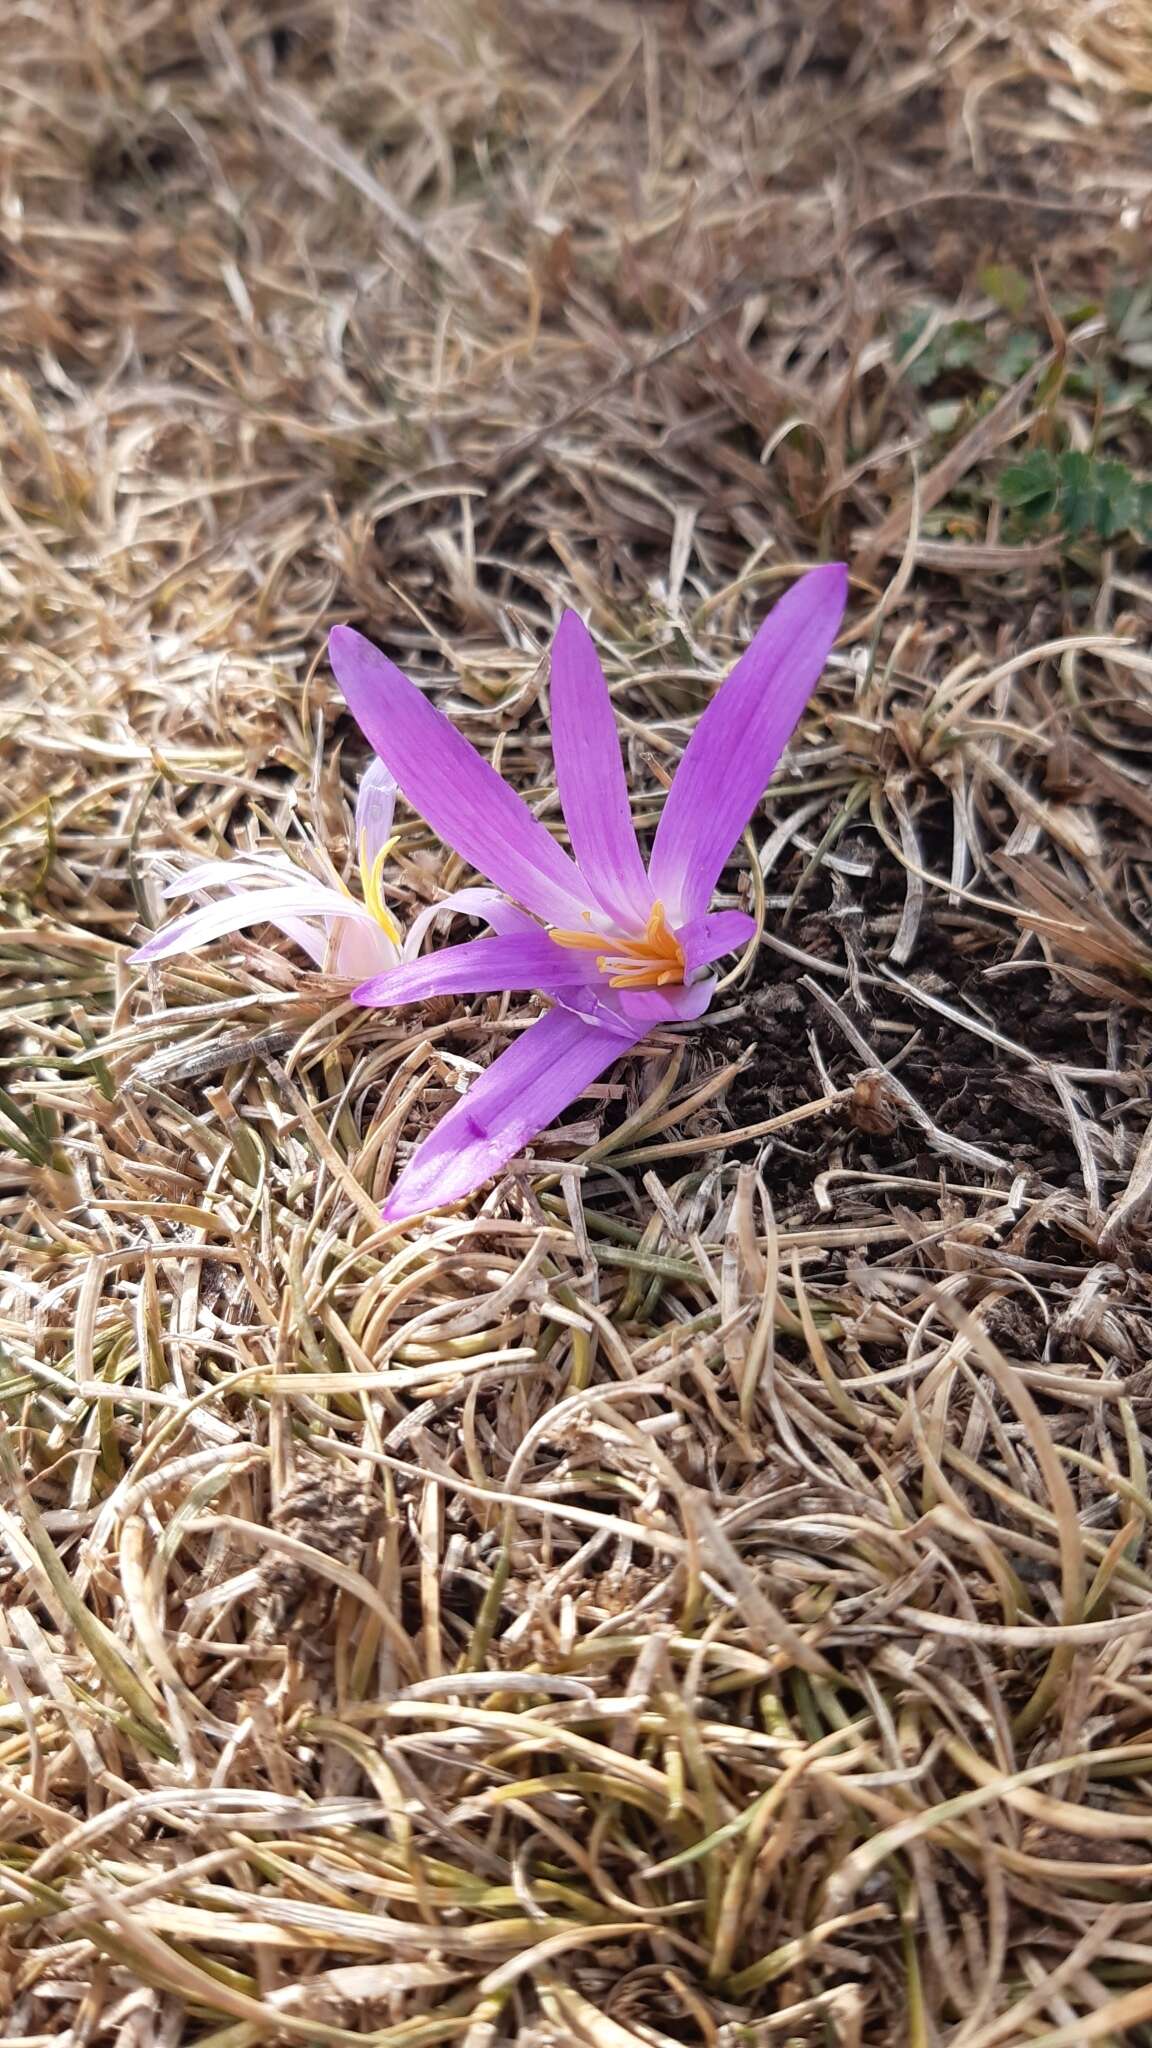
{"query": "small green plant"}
(1129, 313)
(1084, 496)
(956, 345)
(929, 350)
(30, 1134)
(1078, 495)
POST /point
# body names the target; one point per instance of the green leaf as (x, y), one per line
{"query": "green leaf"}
(1031, 486)
(1089, 496)
(1017, 355)
(1079, 494)
(29, 1136)
(963, 343)
(1117, 499)
(1129, 311)
(923, 370)
(1007, 285)
(955, 346)
(1072, 311)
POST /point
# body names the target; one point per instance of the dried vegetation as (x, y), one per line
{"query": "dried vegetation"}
(702, 1594)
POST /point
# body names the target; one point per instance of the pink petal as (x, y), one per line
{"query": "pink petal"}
(375, 807)
(590, 777)
(523, 960)
(511, 1103)
(681, 1005)
(729, 760)
(709, 938)
(245, 907)
(361, 948)
(312, 939)
(464, 800)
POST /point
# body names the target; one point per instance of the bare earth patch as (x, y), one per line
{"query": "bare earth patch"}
(700, 1592)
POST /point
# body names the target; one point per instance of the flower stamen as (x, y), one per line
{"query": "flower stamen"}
(371, 871)
(654, 961)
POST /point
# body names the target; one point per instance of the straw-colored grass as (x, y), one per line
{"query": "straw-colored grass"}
(701, 1591)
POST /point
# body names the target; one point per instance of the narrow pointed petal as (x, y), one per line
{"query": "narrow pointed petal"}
(590, 777)
(375, 809)
(241, 871)
(729, 760)
(246, 907)
(709, 938)
(515, 1099)
(464, 800)
(528, 960)
(488, 904)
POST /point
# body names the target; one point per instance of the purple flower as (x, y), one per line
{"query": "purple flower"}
(314, 908)
(617, 948)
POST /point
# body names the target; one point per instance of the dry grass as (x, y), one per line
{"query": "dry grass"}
(703, 1593)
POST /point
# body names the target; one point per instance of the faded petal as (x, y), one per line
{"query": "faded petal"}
(464, 800)
(730, 757)
(516, 1098)
(488, 904)
(243, 870)
(590, 777)
(522, 960)
(375, 809)
(312, 939)
(248, 906)
(360, 947)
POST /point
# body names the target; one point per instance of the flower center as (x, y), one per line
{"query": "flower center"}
(654, 961)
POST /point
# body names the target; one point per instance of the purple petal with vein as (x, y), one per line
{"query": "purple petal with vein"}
(588, 1003)
(515, 1098)
(590, 777)
(708, 938)
(479, 967)
(730, 757)
(248, 906)
(462, 797)
(375, 808)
